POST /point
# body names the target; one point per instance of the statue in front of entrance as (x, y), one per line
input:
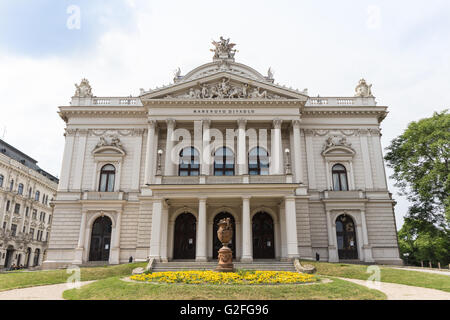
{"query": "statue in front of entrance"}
(225, 234)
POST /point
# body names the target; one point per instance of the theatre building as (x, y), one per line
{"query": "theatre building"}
(150, 176)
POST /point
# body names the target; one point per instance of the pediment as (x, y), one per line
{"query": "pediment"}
(224, 86)
(108, 150)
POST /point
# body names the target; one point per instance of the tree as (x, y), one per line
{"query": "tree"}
(420, 160)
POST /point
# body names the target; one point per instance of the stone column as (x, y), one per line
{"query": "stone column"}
(80, 247)
(276, 159)
(67, 160)
(206, 156)
(201, 231)
(242, 148)
(332, 249)
(148, 170)
(155, 240)
(169, 161)
(164, 233)
(79, 162)
(283, 232)
(296, 159)
(366, 247)
(247, 245)
(291, 227)
(115, 250)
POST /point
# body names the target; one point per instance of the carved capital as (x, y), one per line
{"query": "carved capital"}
(206, 123)
(170, 123)
(242, 123)
(296, 124)
(277, 123)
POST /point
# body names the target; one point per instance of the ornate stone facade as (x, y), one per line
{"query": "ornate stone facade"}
(157, 172)
(26, 192)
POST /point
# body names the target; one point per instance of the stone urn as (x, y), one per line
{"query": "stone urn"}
(225, 234)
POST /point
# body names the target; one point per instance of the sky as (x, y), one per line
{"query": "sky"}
(401, 47)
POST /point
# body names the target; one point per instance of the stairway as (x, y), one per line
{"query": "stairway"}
(272, 265)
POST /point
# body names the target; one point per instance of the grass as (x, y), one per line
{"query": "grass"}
(115, 289)
(392, 275)
(23, 279)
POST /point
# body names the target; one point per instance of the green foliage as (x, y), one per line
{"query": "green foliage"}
(420, 160)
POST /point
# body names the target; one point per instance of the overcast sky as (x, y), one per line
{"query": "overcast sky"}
(401, 47)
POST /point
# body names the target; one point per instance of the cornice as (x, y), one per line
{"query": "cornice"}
(226, 102)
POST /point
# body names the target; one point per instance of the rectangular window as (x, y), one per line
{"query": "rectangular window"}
(13, 229)
(27, 209)
(49, 219)
(34, 214)
(24, 228)
(8, 204)
(32, 233)
(46, 236)
(4, 225)
(16, 208)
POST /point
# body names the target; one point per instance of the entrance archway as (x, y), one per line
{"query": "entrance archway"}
(346, 237)
(100, 239)
(9, 256)
(184, 236)
(216, 243)
(263, 236)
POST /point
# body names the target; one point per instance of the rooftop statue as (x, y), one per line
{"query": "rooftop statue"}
(223, 49)
(363, 89)
(83, 89)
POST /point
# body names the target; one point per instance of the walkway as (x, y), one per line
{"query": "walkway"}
(395, 291)
(50, 292)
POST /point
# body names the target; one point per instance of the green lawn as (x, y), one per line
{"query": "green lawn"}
(116, 289)
(22, 279)
(411, 278)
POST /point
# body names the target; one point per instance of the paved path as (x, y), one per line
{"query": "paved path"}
(50, 292)
(395, 291)
(446, 273)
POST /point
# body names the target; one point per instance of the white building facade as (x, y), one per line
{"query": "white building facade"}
(26, 192)
(150, 176)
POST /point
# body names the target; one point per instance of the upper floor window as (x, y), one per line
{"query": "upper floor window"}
(224, 162)
(189, 162)
(20, 189)
(8, 204)
(34, 216)
(30, 190)
(1, 180)
(27, 209)
(258, 161)
(107, 177)
(339, 178)
(11, 185)
(16, 208)
(37, 195)
(13, 229)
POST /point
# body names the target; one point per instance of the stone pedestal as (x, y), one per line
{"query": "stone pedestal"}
(225, 260)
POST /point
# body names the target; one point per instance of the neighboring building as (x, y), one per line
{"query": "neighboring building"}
(297, 175)
(25, 212)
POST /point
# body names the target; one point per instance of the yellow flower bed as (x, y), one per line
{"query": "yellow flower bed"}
(212, 277)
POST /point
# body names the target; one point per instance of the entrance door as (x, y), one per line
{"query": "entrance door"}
(28, 258)
(346, 237)
(263, 236)
(8, 258)
(184, 237)
(100, 239)
(216, 242)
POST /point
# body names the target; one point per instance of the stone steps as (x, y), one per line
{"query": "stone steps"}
(192, 265)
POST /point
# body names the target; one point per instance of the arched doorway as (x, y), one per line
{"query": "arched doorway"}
(184, 236)
(216, 242)
(28, 257)
(346, 237)
(263, 236)
(37, 253)
(100, 239)
(9, 256)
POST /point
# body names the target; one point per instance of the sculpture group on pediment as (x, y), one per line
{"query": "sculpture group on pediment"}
(223, 49)
(225, 90)
(334, 141)
(115, 142)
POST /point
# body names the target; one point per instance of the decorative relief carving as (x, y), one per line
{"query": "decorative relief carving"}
(115, 142)
(83, 90)
(110, 132)
(363, 89)
(225, 90)
(335, 141)
(223, 49)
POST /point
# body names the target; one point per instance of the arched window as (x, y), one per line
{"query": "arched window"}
(1, 180)
(107, 177)
(258, 161)
(339, 178)
(20, 189)
(189, 162)
(224, 162)
(37, 195)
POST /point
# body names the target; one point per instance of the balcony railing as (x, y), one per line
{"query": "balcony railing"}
(94, 195)
(344, 101)
(252, 179)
